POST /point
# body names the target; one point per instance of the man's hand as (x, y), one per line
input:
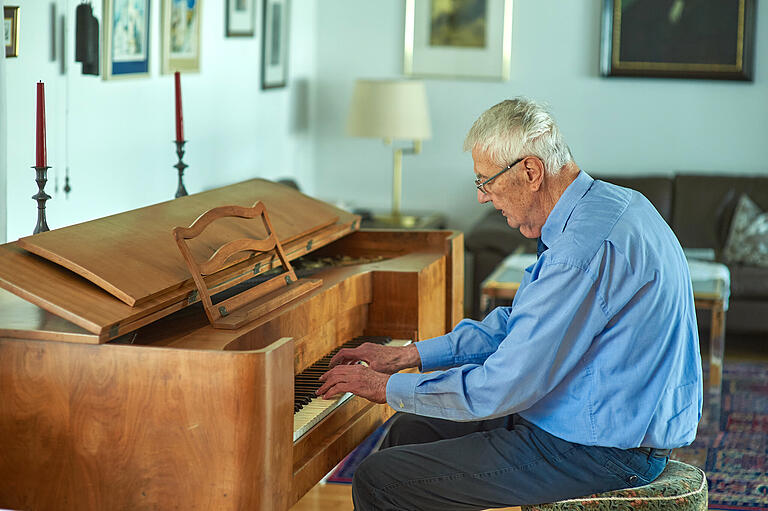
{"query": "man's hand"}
(382, 359)
(357, 379)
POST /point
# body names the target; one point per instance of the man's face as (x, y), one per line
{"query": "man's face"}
(510, 193)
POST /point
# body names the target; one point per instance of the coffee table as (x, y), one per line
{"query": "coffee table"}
(711, 289)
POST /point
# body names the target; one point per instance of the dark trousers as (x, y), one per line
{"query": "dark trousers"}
(434, 464)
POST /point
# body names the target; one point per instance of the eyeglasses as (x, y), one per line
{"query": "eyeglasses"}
(481, 184)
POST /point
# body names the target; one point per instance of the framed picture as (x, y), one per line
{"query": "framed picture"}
(678, 38)
(274, 47)
(458, 38)
(11, 30)
(241, 18)
(126, 38)
(181, 35)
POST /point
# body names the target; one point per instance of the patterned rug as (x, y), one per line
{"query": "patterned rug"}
(734, 455)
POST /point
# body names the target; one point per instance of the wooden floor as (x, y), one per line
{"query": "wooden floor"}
(338, 497)
(326, 497)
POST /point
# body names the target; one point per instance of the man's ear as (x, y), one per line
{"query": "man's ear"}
(533, 172)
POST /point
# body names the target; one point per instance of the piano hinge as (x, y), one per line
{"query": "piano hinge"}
(192, 298)
(256, 268)
(223, 310)
(309, 245)
(113, 330)
(287, 279)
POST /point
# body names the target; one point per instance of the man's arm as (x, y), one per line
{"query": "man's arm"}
(550, 328)
(469, 342)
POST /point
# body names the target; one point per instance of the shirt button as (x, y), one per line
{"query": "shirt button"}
(631, 479)
(402, 405)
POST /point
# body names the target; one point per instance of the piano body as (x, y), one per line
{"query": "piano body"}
(117, 393)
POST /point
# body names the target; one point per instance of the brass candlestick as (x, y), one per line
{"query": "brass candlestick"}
(180, 166)
(41, 178)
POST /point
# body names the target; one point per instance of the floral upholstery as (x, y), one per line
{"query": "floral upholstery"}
(680, 487)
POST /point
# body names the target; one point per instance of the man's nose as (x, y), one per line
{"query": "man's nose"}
(482, 198)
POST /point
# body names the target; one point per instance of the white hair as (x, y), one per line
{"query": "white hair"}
(516, 128)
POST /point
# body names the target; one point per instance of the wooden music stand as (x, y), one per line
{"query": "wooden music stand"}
(251, 303)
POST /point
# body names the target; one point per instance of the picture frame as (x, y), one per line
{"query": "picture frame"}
(11, 30)
(241, 18)
(469, 39)
(711, 40)
(126, 38)
(274, 47)
(181, 20)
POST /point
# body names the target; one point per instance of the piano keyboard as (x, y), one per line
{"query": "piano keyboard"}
(308, 409)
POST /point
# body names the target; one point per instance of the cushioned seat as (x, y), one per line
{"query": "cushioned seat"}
(680, 487)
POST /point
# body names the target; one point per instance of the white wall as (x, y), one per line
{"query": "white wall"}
(3, 145)
(115, 136)
(613, 125)
(119, 133)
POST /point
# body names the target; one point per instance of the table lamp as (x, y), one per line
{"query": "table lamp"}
(391, 110)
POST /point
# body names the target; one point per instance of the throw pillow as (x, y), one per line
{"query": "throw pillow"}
(748, 237)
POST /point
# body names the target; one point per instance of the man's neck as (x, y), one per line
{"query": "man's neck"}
(555, 185)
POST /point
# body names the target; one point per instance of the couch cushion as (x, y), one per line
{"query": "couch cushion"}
(748, 281)
(701, 201)
(657, 189)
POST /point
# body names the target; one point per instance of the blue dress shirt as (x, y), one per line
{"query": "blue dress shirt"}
(599, 347)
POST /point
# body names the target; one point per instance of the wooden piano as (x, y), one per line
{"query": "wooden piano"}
(116, 392)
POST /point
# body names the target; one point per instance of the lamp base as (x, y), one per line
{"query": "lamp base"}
(404, 221)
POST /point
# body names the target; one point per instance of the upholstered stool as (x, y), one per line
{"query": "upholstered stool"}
(680, 487)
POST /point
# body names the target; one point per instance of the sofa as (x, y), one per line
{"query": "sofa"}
(699, 208)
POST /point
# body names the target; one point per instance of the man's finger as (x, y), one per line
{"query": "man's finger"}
(335, 390)
(330, 379)
(323, 388)
(338, 372)
(344, 356)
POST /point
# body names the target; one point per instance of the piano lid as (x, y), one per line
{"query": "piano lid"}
(134, 256)
(302, 223)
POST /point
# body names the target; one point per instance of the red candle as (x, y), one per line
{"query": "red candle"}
(179, 116)
(41, 157)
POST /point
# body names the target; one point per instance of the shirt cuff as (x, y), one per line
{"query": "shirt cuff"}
(435, 353)
(401, 389)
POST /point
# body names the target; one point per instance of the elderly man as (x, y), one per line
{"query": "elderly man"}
(583, 385)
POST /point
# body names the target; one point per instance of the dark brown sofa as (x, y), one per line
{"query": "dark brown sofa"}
(699, 209)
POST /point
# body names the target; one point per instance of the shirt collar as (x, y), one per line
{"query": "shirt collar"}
(555, 223)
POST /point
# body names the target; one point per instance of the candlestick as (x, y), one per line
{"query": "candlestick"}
(40, 153)
(179, 116)
(67, 188)
(180, 166)
(41, 178)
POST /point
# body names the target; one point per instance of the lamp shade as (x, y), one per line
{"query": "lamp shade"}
(394, 109)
